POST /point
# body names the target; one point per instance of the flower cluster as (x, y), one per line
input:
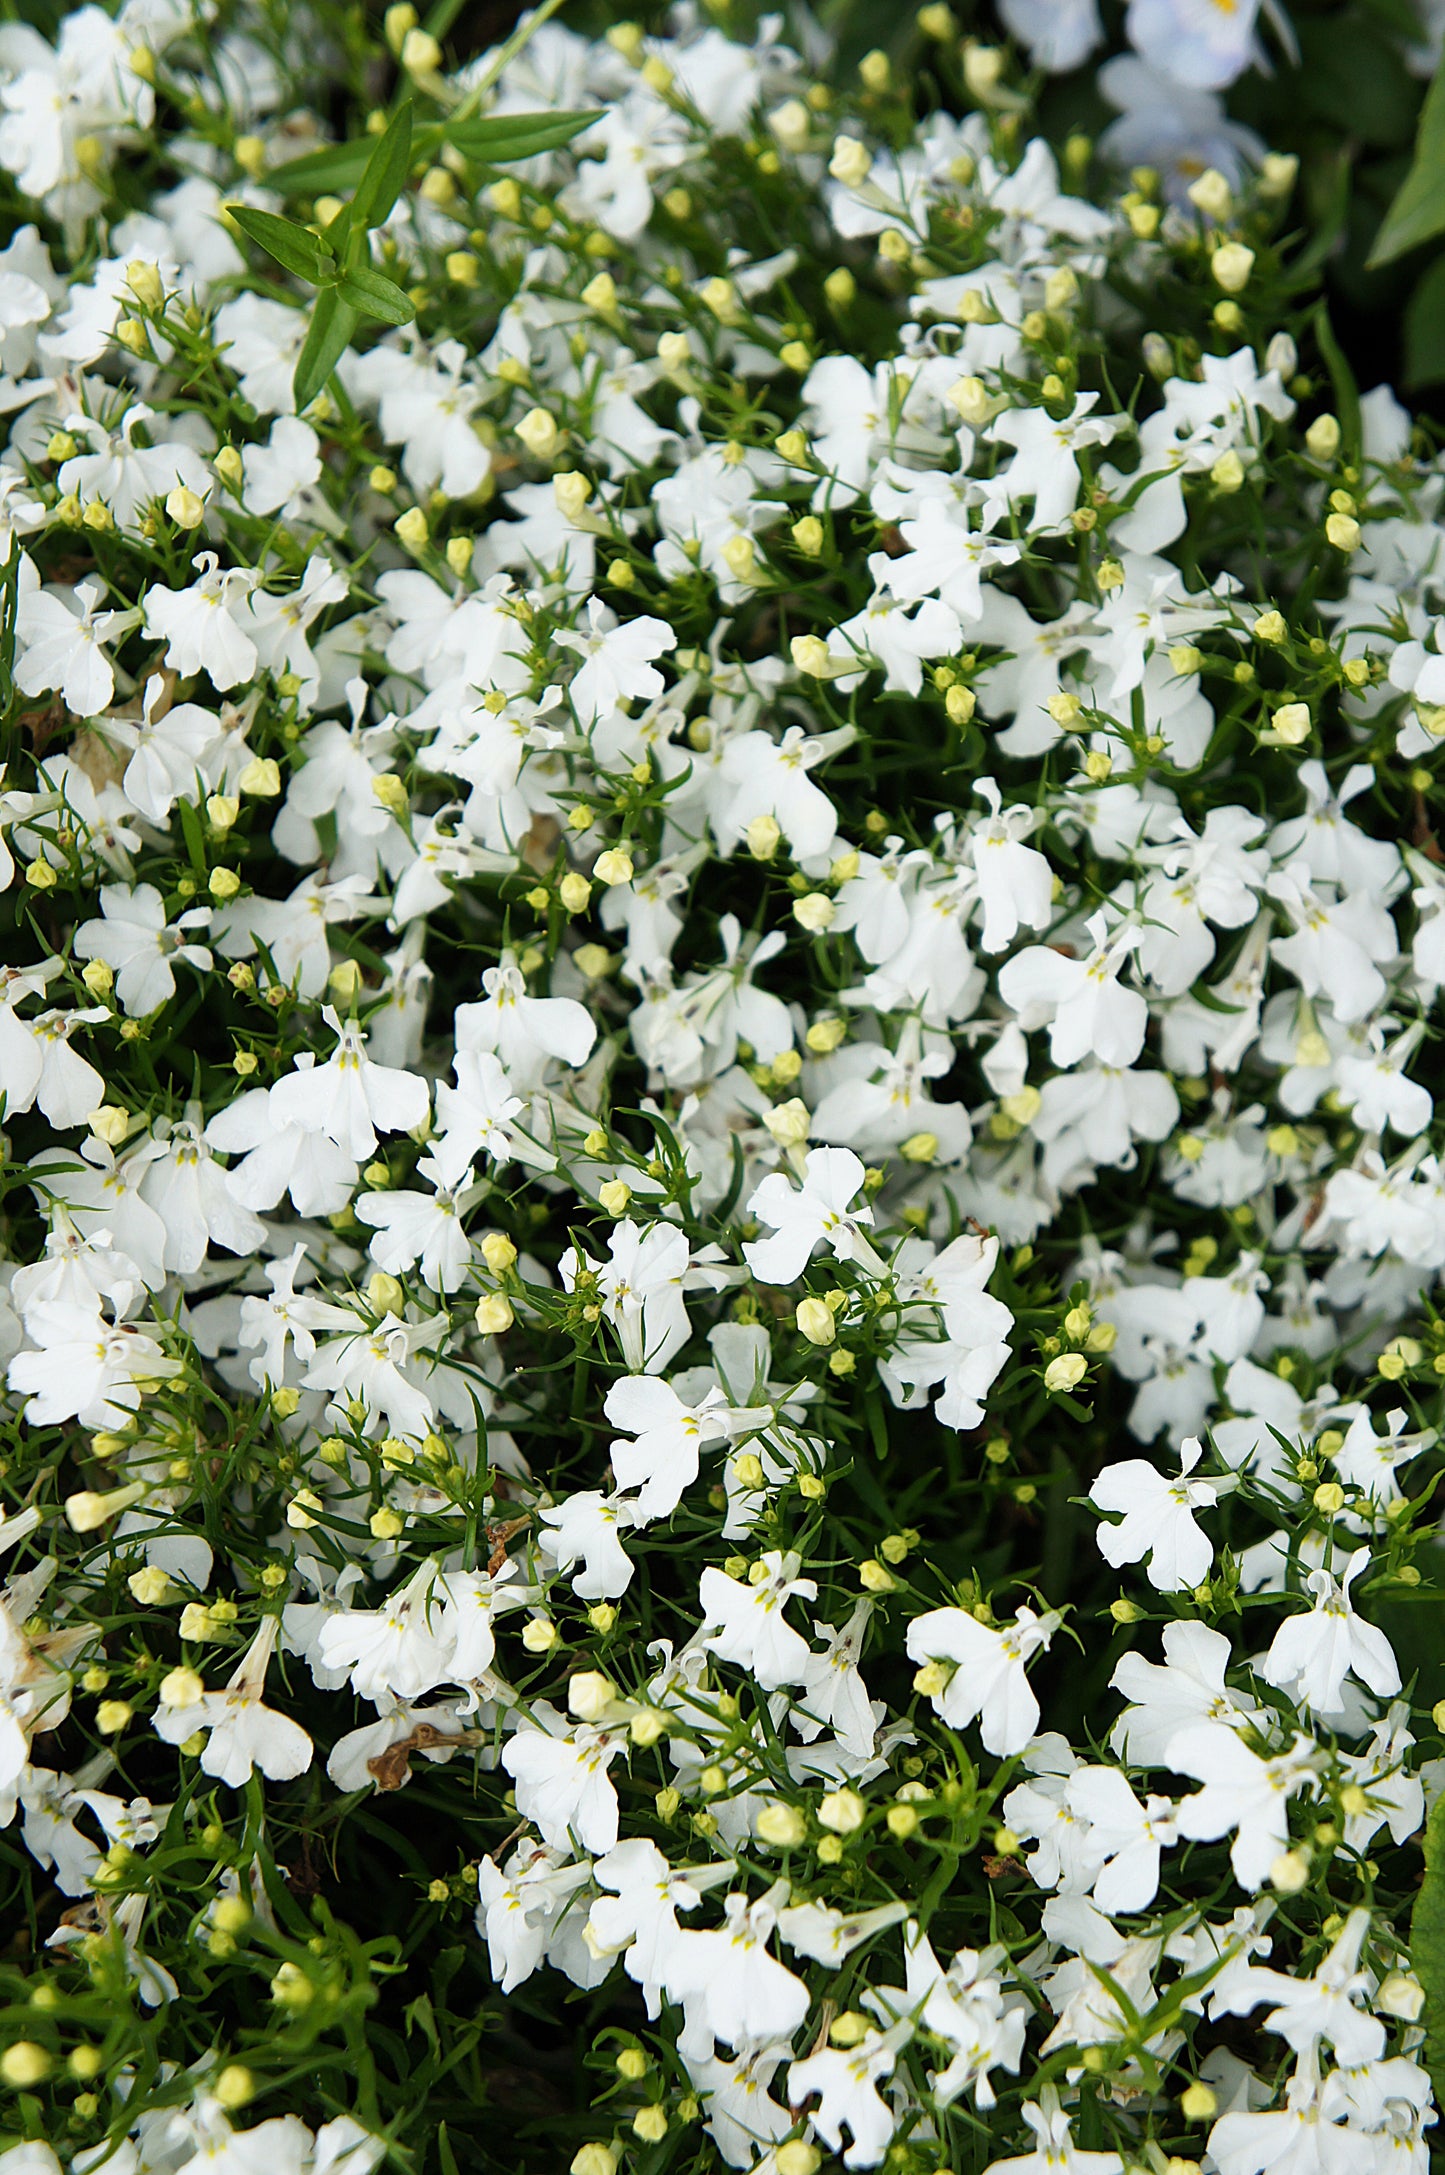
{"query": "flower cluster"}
(720, 1201)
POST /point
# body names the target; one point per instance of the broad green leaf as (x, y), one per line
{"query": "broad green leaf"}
(1427, 1943)
(385, 176)
(339, 166)
(293, 246)
(1358, 84)
(372, 295)
(509, 136)
(332, 324)
(1425, 328)
(1418, 212)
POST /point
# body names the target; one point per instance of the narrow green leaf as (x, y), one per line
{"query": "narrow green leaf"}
(1427, 1943)
(446, 2158)
(370, 294)
(1418, 212)
(332, 324)
(386, 171)
(509, 136)
(293, 246)
(1425, 328)
(1342, 382)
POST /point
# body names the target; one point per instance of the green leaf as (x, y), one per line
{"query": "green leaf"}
(339, 166)
(1358, 84)
(293, 246)
(1424, 329)
(1342, 382)
(332, 324)
(372, 295)
(1427, 1943)
(385, 176)
(1418, 212)
(509, 136)
(446, 2158)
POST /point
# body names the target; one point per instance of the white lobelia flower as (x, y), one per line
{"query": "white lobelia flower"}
(829, 1937)
(367, 1365)
(516, 1908)
(618, 661)
(1056, 2152)
(280, 1157)
(524, 1032)
(202, 625)
(348, 1098)
(640, 1286)
(662, 1463)
(1045, 467)
(1244, 1794)
(563, 1785)
(1127, 1835)
(1312, 1654)
(1327, 2006)
(168, 747)
(398, 1651)
(743, 2118)
(833, 1694)
(416, 1227)
(134, 937)
(817, 1213)
(1059, 34)
(586, 1528)
(967, 2009)
(770, 778)
(1204, 44)
(745, 1623)
(242, 1733)
(1081, 1001)
(1187, 1687)
(846, 2085)
(60, 637)
(1015, 883)
(741, 1993)
(988, 1682)
(1303, 2134)
(1158, 1521)
(637, 1916)
(474, 1117)
(86, 1368)
(126, 477)
(187, 1188)
(947, 559)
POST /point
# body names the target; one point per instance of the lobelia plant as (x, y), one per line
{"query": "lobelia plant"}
(720, 1216)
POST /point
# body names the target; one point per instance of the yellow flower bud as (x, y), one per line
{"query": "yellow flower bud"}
(1322, 439)
(851, 162)
(1231, 265)
(814, 912)
(1292, 723)
(814, 1319)
(842, 1812)
(781, 1825)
